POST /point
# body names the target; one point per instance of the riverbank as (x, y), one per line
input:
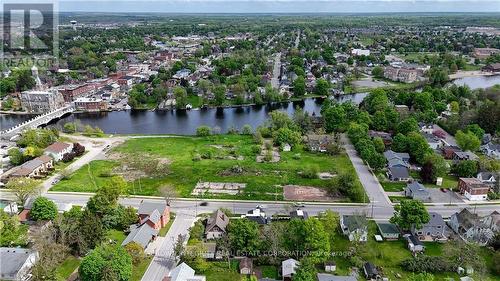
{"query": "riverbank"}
(475, 73)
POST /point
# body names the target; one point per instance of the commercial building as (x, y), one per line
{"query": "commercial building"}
(39, 102)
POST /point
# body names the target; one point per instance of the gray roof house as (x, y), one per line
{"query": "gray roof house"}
(216, 225)
(492, 150)
(331, 277)
(389, 154)
(183, 272)
(487, 177)
(417, 191)
(16, 263)
(398, 174)
(388, 231)
(473, 228)
(288, 268)
(354, 227)
(433, 230)
(142, 235)
(370, 271)
(414, 244)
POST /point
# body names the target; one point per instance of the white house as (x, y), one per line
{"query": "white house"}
(16, 263)
(288, 268)
(473, 228)
(354, 227)
(183, 272)
(492, 150)
(58, 149)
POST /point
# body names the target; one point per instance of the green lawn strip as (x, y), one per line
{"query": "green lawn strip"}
(269, 271)
(68, 266)
(195, 101)
(219, 271)
(263, 179)
(396, 199)
(393, 186)
(164, 230)
(139, 269)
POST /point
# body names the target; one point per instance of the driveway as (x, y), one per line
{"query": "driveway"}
(370, 183)
(164, 261)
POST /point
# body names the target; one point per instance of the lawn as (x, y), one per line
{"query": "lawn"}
(164, 230)
(65, 269)
(393, 186)
(139, 270)
(220, 155)
(269, 271)
(219, 271)
(116, 235)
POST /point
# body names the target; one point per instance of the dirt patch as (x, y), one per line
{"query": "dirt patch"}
(231, 188)
(268, 155)
(133, 168)
(305, 193)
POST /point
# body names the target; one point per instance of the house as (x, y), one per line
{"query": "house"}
(183, 272)
(156, 214)
(417, 191)
(299, 214)
(433, 230)
(91, 104)
(487, 178)
(398, 174)
(449, 151)
(35, 168)
(386, 137)
(494, 67)
(16, 263)
(473, 228)
(246, 266)
(288, 268)
(388, 231)
(473, 189)
(354, 227)
(433, 141)
(330, 277)
(142, 235)
(370, 271)
(216, 225)
(319, 143)
(257, 215)
(360, 52)
(464, 155)
(401, 74)
(426, 128)
(330, 266)
(414, 244)
(482, 53)
(492, 150)
(396, 159)
(57, 150)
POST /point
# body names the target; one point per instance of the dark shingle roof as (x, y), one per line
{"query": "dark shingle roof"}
(142, 235)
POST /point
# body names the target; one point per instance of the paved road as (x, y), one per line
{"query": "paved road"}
(275, 82)
(370, 183)
(297, 40)
(164, 259)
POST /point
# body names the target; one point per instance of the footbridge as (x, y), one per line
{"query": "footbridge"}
(36, 121)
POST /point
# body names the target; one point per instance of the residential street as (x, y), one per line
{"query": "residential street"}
(370, 183)
(163, 260)
(275, 80)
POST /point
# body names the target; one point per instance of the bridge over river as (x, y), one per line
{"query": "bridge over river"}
(36, 121)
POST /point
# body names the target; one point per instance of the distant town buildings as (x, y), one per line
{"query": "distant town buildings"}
(405, 75)
(38, 102)
(482, 53)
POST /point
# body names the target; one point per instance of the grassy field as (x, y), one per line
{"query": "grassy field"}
(65, 269)
(139, 269)
(221, 152)
(116, 235)
(219, 271)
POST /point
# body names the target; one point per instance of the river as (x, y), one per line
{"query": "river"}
(182, 122)
(477, 82)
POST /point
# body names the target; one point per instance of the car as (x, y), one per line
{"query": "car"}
(204, 203)
(299, 204)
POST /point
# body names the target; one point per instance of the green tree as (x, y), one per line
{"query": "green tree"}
(322, 87)
(306, 271)
(438, 76)
(246, 130)
(181, 99)
(434, 166)
(378, 72)
(408, 125)
(278, 119)
(299, 87)
(379, 121)
(466, 168)
(410, 213)
(23, 188)
(418, 147)
(136, 252)
(378, 142)
(12, 232)
(203, 131)
(69, 128)
(106, 262)
(16, 157)
(399, 143)
(474, 128)
(335, 119)
(467, 141)
(285, 135)
(43, 209)
(356, 132)
(244, 235)
(377, 100)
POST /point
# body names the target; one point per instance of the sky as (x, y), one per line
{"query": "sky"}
(279, 6)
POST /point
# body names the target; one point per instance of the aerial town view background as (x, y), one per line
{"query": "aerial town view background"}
(301, 147)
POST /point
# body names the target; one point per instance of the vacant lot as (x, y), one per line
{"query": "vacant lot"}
(182, 162)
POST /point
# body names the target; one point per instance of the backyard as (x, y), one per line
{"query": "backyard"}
(182, 162)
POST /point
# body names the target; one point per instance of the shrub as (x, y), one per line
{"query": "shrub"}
(43, 209)
(423, 263)
(246, 130)
(68, 157)
(69, 128)
(310, 173)
(257, 138)
(269, 145)
(207, 154)
(78, 149)
(136, 252)
(232, 130)
(196, 157)
(297, 156)
(256, 149)
(203, 131)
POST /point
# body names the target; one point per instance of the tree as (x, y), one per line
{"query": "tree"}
(23, 188)
(465, 255)
(467, 141)
(322, 87)
(378, 72)
(16, 157)
(379, 121)
(466, 168)
(474, 128)
(244, 236)
(78, 149)
(169, 193)
(302, 120)
(180, 97)
(378, 142)
(434, 166)
(330, 221)
(408, 125)
(306, 271)
(377, 100)
(246, 130)
(278, 119)
(299, 87)
(285, 135)
(12, 232)
(418, 147)
(43, 209)
(438, 76)
(307, 235)
(106, 262)
(136, 252)
(69, 128)
(335, 118)
(51, 253)
(399, 143)
(203, 131)
(410, 213)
